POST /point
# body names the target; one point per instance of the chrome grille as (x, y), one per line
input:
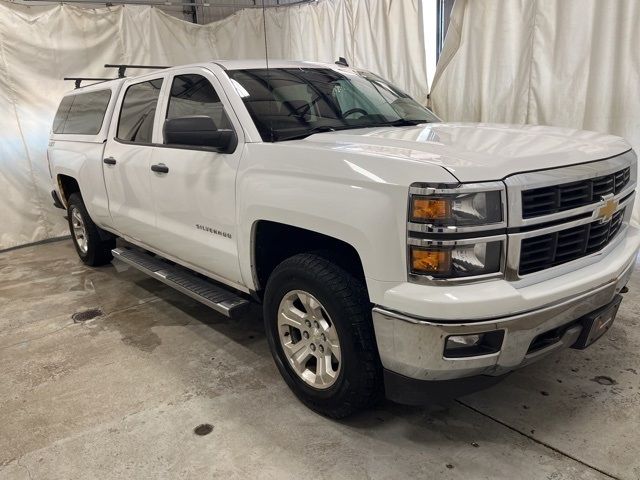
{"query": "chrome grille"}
(546, 251)
(566, 196)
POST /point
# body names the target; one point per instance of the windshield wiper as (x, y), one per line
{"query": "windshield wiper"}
(404, 122)
(311, 131)
(401, 122)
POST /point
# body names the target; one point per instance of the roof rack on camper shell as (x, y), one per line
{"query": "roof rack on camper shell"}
(122, 68)
(78, 80)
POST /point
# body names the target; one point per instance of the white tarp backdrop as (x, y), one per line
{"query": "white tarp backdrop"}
(41, 45)
(569, 63)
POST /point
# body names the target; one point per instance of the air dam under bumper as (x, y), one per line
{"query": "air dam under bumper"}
(414, 348)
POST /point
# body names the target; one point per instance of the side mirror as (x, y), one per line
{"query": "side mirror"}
(198, 131)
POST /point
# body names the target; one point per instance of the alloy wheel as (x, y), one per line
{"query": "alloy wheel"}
(79, 230)
(309, 339)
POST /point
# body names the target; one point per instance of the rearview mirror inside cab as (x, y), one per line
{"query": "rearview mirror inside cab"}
(198, 131)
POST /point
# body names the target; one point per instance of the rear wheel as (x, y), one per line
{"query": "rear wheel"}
(318, 323)
(93, 245)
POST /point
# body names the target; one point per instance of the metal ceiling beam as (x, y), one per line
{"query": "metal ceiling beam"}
(121, 2)
(169, 3)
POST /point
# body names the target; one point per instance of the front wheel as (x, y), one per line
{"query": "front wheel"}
(318, 323)
(93, 246)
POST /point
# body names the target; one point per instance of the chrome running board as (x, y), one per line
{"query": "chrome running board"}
(212, 295)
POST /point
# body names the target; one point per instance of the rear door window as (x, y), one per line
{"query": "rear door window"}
(138, 111)
(82, 114)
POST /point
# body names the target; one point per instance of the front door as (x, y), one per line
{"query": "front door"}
(194, 189)
(127, 160)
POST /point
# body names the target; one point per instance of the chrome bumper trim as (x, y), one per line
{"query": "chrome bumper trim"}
(414, 347)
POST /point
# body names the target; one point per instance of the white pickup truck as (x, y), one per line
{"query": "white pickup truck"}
(393, 253)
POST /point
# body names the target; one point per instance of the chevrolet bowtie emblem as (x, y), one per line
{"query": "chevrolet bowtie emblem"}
(608, 208)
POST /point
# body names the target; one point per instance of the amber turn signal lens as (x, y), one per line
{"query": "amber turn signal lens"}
(424, 209)
(430, 261)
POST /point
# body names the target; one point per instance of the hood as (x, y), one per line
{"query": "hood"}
(477, 151)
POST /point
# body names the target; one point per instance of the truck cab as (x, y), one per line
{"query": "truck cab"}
(394, 254)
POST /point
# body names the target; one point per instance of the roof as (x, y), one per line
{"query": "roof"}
(262, 63)
(225, 64)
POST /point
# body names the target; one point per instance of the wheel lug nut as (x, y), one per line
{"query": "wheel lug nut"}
(308, 323)
(316, 324)
(324, 338)
(305, 334)
(313, 347)
(321, 348)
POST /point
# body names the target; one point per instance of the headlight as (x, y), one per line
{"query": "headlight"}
(473, 212)
(455, 259)
(464, 205)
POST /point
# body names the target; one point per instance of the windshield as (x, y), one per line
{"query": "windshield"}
(289, 103)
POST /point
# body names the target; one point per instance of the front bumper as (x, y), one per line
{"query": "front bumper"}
(414, 347)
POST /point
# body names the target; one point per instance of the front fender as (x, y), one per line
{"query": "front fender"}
(358, 199)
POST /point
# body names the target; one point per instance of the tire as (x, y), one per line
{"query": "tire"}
(93, 244)
(343, 299)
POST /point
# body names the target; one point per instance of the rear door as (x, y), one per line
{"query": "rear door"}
(195, 194)
(127, 159)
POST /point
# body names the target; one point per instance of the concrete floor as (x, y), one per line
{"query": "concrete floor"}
(119, 396)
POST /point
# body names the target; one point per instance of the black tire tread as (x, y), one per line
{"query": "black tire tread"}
(352, 295)
(99, 252)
